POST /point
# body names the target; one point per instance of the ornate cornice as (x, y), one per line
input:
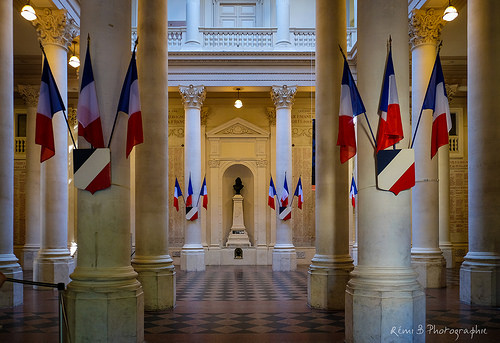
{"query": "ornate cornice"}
(29, 94)
(204, 116)
(271, 115)
(55, 27)
(193, 96)
(425, 27)
(283, 96)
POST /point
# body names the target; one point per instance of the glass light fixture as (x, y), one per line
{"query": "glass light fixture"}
(74, 61)
(28, 12)
(238, 103)
(450, 12)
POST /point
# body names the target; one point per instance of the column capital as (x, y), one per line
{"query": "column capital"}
(55, 27)
(193, 96)
(29, 94)
(425, 26)
(283, 96)
(271, 115)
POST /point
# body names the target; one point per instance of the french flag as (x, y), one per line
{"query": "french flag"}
(177, 194)
(130, 104)
(352, 192)
(272, 194)
(390, 128)
(191, 211)
(49, 103)
(299, 194)
(89, 119)
(285, 211)
(437, 101)
(351, 105)
(204, 193)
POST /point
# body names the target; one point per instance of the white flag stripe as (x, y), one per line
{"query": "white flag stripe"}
(87, 172)
(396, 168)
(88, 109)
(345, 101)
(285, 212)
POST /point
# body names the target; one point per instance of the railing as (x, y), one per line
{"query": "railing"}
(453, 142)
(19, 146)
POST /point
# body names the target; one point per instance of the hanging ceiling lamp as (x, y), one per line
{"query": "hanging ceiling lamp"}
(238, 103)
(28, 12)
(74, 61)
(450, 12)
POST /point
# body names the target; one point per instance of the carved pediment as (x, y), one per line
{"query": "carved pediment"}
(237, 127)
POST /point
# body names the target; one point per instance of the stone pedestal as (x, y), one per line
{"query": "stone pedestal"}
(238, 235)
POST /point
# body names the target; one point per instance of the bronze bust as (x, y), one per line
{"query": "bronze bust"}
(238, 186)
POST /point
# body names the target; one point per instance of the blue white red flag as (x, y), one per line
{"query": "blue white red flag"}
(177, 194)
(395, 170)
(130, 104)
(272, 194)
(87, 113)
(204, 193)
(390, 128)
(352, 192)
(49, 103)
(92, 169)
(437, 101)
(285, 211)
(351, 105)
(191, 211)
(299, 194)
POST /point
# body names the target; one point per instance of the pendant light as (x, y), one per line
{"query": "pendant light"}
(450, 12)
(238, 103)
(28, 12)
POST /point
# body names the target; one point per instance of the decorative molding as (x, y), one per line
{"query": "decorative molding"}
(238, 127)
(214, 163)
(425, 27)
(193, 96)
(300, 131)
(283, 96)
(271, 115)
(29, 94)
(261, 163)
(205, 112)
(72, 121)
(178, 132)
(451, 90)
(55, 27)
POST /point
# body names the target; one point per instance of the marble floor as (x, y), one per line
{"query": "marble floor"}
(252, 304)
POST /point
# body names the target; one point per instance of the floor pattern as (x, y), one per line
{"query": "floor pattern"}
(253, 304)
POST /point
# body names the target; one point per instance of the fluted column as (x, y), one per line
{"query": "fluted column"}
(104, 301)
(283, 24)
(11, 294)
(480, 272)
(271, 116)
(33, 199)
(192, 253)
(152, 260)
(192, 25)
(427, 258)
(330, 267)
(53, 262)
(444, 205)
(383, 291)
(284, 254)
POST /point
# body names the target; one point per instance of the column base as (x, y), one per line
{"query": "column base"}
(193, 258)
(262, 255)
(53, 266)
(11, 293)
(28, 256)
(480, 279)
(326, 281)
(430, 266)
(284, 258)
(157, 277)
(105, 305)
(447, 249)
(384, 305)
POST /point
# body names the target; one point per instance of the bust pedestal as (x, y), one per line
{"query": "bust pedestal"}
(238, 235)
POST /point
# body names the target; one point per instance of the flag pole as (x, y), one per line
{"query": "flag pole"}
(368, 122)
(64, 110)
(389, 49)
(116, 116)
(422, 108)
(199, 195)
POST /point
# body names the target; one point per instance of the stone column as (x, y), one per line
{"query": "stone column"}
(284, 255)
(427, 258)
(383, 292)
(33, 199)
(192, 253)
(480, 272)
(444, 205)
(283, 24)
(260, 232)
(192, 25)
(11, 294)
(53, 262)
(152, 260)
(204, 113)
(330, 267)
(104, 301)
(271, 116)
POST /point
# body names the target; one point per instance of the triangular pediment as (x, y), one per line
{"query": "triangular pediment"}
(237, 127)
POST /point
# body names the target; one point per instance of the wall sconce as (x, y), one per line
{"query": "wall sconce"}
(238, 103)
(74, 61)
(450, 12)
(28, 12)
